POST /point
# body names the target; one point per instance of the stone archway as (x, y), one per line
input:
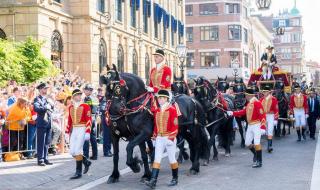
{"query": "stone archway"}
(57, 49)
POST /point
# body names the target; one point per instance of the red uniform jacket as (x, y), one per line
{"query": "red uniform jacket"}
(81, 115)
(254, 113)
(299, 102)
(166, 122)
(160, 79)
(270, 106)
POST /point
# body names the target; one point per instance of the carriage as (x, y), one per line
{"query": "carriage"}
(278, 75)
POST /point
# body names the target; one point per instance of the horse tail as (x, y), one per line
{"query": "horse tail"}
(204, 151)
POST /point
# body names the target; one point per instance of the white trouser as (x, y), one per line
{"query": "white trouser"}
(270, 124)
(162, 144)
(300, 117)
(253, 133)
(77, 140)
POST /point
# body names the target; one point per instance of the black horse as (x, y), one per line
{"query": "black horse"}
(283, 104)
(133, 88)
(128, 112)
(239, 103)
(218, 122)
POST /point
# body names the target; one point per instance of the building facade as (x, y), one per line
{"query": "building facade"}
(86, 35)
(289, 48)
(221, 34)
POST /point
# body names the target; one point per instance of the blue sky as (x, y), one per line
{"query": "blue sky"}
(309, 9)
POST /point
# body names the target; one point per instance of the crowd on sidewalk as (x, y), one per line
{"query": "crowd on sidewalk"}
(27, 129)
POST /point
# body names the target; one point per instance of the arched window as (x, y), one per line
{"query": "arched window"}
(120, 61)
(102, 55)
(2, 34)
(56, 49)
(135, 62)
(147, 67)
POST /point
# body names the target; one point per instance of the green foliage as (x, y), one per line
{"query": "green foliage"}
(24, 62)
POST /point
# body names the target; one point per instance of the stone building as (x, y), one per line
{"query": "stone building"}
(86, 35)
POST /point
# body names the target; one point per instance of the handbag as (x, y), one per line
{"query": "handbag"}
(12, 156)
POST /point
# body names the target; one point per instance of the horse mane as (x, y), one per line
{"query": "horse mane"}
(134, 83)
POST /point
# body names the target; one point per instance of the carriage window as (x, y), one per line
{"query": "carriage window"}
(209, 59)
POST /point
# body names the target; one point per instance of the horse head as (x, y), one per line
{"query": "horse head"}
(204, 92)
(222, 85)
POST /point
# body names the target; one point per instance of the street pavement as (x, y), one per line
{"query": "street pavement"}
(290, 166)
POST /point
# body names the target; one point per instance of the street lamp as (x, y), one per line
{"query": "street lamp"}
(182, 54)
(263, 4)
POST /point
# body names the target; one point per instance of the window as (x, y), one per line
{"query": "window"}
(189, 31)
(58, 1)
(2, 34)
(100, 6)
(246, 60)
(120, 61)
(232, 8)
(282, 23)
(296, 38)
(147, 68)
(173, 39)
(164, 34)
(209, 59)
(209, 33)
(135, 63)
(287, 56)
(189, 10)
(118, 10)
(286, 38)
(102, 55)
(234, 32)
(245, 35)
(190, 59)
(235, 57)
(156, 29)
(133, 15)
(295, 22)
(208, 9)
(298, 55)
(245, 12)
(145, 19)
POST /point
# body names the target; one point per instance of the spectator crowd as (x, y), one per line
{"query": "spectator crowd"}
(21, 131)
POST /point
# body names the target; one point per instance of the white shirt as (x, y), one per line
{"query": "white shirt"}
(159, 65)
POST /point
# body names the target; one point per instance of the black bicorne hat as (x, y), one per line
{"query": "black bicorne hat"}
(42, 85)
(163, 93)
(159, 52)
(251, 91)
(76, 92)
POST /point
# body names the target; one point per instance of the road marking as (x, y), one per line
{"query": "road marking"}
(105, 178)
(315, 180)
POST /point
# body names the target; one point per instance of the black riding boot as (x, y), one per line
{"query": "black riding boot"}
(78, 173)
(299, 134)
(86, 164)
(304, 134)
(253, 150)
(154, 176)
(174, 180)
(270, 149)
(258, 163)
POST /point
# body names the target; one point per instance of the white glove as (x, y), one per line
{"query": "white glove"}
(230, 113)
(87, 136)
(34, 117)
(2, 121)
(307, 115)
(149, 89)
(291, 116)
(275, 122)
(48, 107)
(263, 132)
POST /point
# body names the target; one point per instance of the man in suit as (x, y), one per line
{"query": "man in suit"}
(313, 112)
(43, 124)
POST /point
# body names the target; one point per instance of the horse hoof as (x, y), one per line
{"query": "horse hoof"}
(227, 155)
(215, 158)
(112, 180)
(205, 163)
(185, 156)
